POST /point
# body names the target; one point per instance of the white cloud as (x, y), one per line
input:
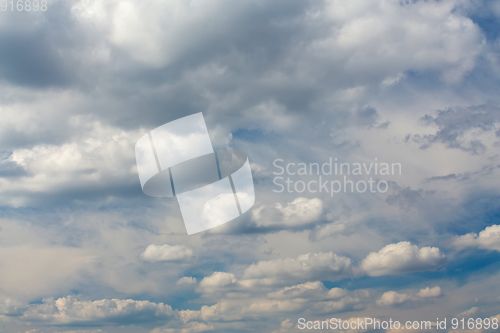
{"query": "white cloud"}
(383, 38)
(392, 298)
(297, 69)
(237, 309)
(217, 281)
(469, 313)
(299, 211)
(400, 258)
(67, 310)
(166, 252)
(488, 239)
(186, 281)
(430, 292)
(96, 159)
(311, 266)
(384, 34)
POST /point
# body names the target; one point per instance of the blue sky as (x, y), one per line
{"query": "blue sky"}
(84, 250)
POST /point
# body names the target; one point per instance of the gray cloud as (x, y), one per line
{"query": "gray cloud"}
(298, 80)
(455, 123)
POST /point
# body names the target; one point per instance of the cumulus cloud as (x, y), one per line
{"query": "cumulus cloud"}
(488, 239)
(236, 308)
(327, 266)
(217, 281)
(298, 212)
(186, 281)
(97, 160)
(469, 313)
(166, 252)
(429, 292)
(392, 298)
(156, 31)
(402, 257)
(70, 310)
(299, 79)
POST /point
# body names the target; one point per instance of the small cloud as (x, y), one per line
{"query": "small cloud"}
(429, 292)
(392, 298)
(186, 281)
(400, 258)
(298, 212)
(469, 313)
(217, 281)
(166, 252)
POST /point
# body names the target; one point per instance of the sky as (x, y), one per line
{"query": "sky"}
(291, 84)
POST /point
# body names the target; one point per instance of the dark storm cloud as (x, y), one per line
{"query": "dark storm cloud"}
(29, 60)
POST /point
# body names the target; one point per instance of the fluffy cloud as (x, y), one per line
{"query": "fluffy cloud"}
(96, 162)
(186, 281)
(357, 36)
(400, 258)
(469, 313)
(429, 292)
(236, 308)
(392, 298)
(166, 252)
(327, 266)
(68, 310)
(301, 80)
(488, 239)
(217, 281)
(299, 211)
